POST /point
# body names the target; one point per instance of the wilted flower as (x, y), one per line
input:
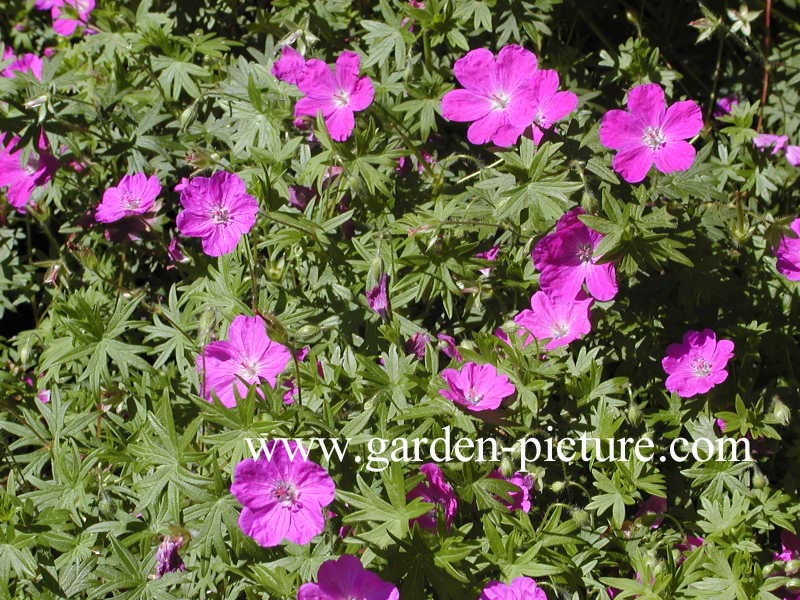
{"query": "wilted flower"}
(689, 543)
(437, 491)
(243, 360)
(300, 196)
(655, 507)
(697, 364)
(449, 346)
(167, 558)
(551, 105)
(725, 105)
(498, 94)
(21, 177)
(336, 94)
(416, 344)
(218, 210)
(521, 499)
(566, 259)
(521, 588)
(560, 319)
(345, 579)
(476, 387)
(283, 495)
(377, 297)
(491, 255)
(133, 195)
(290, 66)
(788, 254)
(650, 132)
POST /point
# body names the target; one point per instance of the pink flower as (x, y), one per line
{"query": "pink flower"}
(290, 66)
(498, 94)
(559, 319)
(793, 155)
(26, 62)
(724, 105)
(788, 254)
(167, 558)
(243, 360)
(520, 500)
(175, 253)
(551, 105)
(649, 132)
(133, 195)
(43, 396)
(218, 210)
(767, 140)
(336, 94)
(476, 387)
(344, 579)
(521, 588)
(63, 23)
(300, 196)
(491, 255)
(566, 260)
(697, 364)
(437, 491)
(377, 297)
(449, 346)
(282, 494)
(22, 178)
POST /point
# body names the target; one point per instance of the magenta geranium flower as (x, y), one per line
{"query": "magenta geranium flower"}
(20, 176)
(337, 94)
(650, 132)
(63, 13)
(551, 105)
(793, 155)
(243, 360)
(449, 346)
(559, 319)
(133, 195)
(476, 387)
(283, 497)
(521, 588)
(416, 344)
(498, 95)
(653, 507)
(566, 260)
(167, 558)
(218, 210)
(491, 255)
(790, 547)
(521, 499)
(788, 254)
(764, 141)
(697, 364)
(437, 491)
(725, 105)
(345, 579)
(290, 66)
(377, 297)
(20, 64)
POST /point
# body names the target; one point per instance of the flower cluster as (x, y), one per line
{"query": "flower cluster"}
(505, 95)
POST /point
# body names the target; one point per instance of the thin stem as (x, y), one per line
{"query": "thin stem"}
(765, 78)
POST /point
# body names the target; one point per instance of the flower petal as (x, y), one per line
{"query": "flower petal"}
(675, 156)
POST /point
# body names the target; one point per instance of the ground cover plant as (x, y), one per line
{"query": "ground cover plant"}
(232, 230)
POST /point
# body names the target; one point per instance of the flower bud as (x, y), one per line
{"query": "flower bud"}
(781, 412)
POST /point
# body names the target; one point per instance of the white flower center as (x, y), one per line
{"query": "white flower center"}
(220, 215)
(559, 329)
(286, 493)
(248, 370)
(473, 396)
(341, 98)
(585, 252)
(700, 366)
(654, 138)
(130, 202)
(499, 100)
